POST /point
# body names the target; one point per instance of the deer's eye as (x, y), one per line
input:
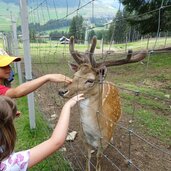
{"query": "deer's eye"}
(90, 81)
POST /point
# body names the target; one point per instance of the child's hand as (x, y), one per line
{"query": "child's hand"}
(75, 99)
(58, 78)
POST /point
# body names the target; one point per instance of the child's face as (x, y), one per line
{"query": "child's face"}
(5, 72)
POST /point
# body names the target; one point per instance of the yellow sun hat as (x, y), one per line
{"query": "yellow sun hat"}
(6, 60)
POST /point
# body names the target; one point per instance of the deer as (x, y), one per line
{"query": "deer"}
(101, 108)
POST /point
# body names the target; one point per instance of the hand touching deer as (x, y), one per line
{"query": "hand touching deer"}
(101, 109)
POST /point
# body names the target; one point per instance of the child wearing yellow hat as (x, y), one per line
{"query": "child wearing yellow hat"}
(27, 87)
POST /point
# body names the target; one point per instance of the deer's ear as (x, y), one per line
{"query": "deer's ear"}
(73, 67)
(102, 71)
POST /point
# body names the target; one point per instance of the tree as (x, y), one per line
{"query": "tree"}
(102, 34)
(119, 28)
(32, 35)
(77, 28)
(149, 15)
(111, 30)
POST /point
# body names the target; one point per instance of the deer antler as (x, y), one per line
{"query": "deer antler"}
(166, 49)
(75, 54)
(130, 59)
(93, 46)
(82, 58)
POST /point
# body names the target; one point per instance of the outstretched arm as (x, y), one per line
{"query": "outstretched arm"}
(43, 150)
(31, 86)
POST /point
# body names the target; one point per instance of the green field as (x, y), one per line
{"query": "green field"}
(56, 47)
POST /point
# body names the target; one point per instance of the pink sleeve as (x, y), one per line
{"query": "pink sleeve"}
(16, 161)
(3, 89)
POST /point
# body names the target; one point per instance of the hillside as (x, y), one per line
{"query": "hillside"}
(56, 10)
(73, 3)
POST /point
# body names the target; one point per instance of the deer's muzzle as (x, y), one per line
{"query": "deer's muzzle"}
(62, 92)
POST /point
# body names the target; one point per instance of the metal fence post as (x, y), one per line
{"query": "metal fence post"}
(27, 58)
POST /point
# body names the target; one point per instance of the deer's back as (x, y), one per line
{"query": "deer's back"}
(111, 110)
(111, 101)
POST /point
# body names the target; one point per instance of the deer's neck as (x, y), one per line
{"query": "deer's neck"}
(91, 107)
(90, 104)
(88, 117)
(93, 114)
(93, 102)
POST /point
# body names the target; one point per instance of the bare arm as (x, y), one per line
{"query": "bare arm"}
(31, 86)
(43, 150)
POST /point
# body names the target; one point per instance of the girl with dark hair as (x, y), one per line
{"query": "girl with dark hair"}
(21, 161)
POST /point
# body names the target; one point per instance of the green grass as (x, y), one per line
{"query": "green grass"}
(142, 44)
(157, 126)
(147, 101)
(149, 114)
(27, 138)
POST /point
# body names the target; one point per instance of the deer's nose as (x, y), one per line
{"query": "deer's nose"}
(62, 92)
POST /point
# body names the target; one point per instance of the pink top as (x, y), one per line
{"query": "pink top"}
(16, 162)
(3, 89)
